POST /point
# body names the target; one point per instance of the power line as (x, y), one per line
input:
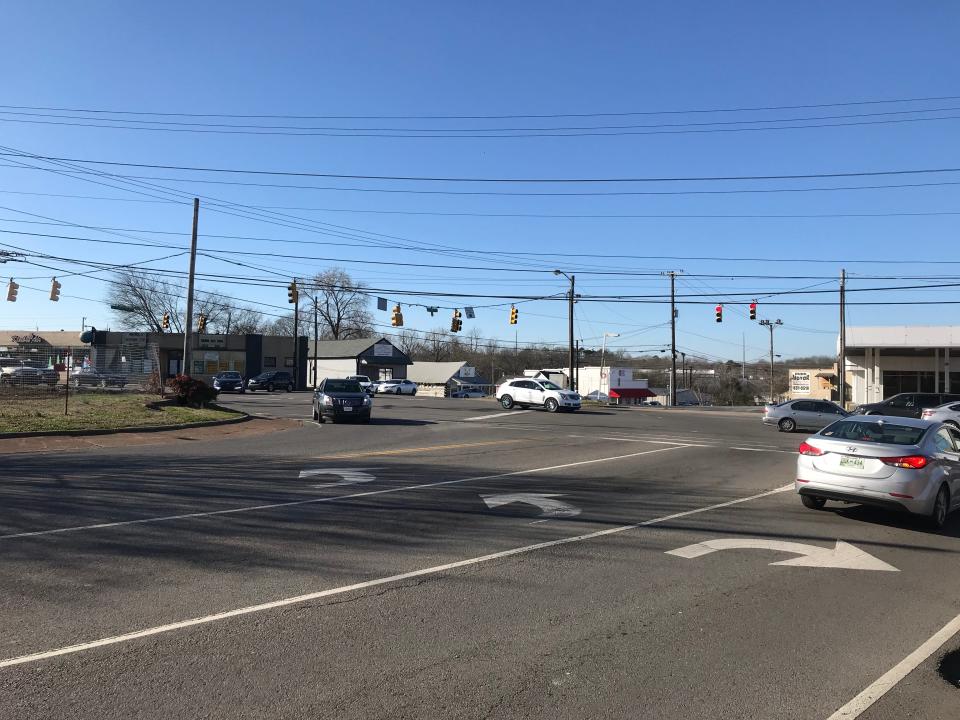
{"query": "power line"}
(413, 178)
(849, 103)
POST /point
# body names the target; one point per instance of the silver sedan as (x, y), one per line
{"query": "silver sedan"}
(802, 414)
(948, 413)
(890, 462)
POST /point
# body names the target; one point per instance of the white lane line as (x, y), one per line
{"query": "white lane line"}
(310, 501)
(496, 415)
(80, 647)
(753, 449)
(898, 672)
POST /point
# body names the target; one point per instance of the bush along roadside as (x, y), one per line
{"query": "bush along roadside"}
(192, 392)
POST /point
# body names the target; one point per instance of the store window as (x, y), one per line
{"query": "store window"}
(901, 381)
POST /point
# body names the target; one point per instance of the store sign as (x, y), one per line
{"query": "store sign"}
(32, 339)
(383, 350)
(800, 383)
(468, 372)
(133, 339)
(213, 341)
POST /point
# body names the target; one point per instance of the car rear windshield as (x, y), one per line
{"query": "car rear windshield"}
(344, 386)
(878, 432)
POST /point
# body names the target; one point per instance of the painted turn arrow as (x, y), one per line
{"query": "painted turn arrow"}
(843, 555)
(348, 476)
(548, 506)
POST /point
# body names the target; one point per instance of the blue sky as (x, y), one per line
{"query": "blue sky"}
(392, 59)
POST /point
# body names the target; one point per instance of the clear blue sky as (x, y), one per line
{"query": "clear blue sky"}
(420, 58)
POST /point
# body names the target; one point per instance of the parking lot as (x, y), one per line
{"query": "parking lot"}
(453, 559)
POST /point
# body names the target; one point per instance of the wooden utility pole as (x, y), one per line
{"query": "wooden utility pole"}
(842, 359)
(188, 319)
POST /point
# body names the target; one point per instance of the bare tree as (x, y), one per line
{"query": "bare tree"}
(341, 305)
(410, 343)
(139, 302)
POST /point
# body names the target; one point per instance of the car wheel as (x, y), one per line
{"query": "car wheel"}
(398, 391)
(787, 425)
(951, 423)
(366, 421)
(289, 387)
(316, 415)
(252, 389)
(241, 391)
(941, 506)
(506, 402)
(813, 502)
(551, 405)
(270, 387)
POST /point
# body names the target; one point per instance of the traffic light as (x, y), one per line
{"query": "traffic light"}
(293, 294)
(753, 310)
(165, 322)
(396, 319)
(719, 313)
(12, 288)
(55, 290)
(513, 315)
(202, 323)
(456, 323)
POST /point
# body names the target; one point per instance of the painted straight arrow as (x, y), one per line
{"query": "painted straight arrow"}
(348, 476)
(843, 555)
(548, 506)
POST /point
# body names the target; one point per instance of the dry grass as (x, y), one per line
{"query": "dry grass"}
(94, 411)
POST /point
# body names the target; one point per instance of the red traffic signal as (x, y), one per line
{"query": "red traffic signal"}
(753, 311)
(719, 310)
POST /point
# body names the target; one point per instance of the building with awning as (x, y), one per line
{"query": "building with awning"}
(631, 394)
(886, 360)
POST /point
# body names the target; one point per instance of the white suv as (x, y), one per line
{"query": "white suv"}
(535, 391)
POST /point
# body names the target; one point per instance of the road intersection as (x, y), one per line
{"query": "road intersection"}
(610, 563)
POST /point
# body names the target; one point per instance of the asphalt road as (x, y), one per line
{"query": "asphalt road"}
(451, 560)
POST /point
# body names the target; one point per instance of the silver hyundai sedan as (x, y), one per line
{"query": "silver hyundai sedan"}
(890, 462)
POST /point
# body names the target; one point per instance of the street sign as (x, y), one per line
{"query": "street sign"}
(843, 555)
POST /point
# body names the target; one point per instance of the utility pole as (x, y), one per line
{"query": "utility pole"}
(743, 363)
(771, 326)
(572, 278)
(296, 338)
(673, 339)
(683, 367)
(188, 320)
(316, 338)
(842, 360)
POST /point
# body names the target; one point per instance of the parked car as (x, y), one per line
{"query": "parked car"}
(597, 396)
(887, 461)
(14, 371)
(96, 378)
(906, 404)
(270, 381)
(468, 394)
(341, 399)
(364, 382)
(397, 387)
(228, 380)
(948, 413)
(527, 392)
(803, 414)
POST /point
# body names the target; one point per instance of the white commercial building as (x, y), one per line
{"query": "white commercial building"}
(884, 361)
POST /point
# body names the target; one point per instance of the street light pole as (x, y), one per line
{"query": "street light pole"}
(572, 279)
(603, 351)
(771, 326)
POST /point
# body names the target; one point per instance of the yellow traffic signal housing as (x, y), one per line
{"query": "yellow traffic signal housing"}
(513, 315)
(456, 323)
(55, 290)
(165, 322)
(293, 294)
(12, 288)
(202, 323)
(396, 319)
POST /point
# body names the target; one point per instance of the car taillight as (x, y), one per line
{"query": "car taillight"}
(928, 413)
(808, 449)
(911, 462)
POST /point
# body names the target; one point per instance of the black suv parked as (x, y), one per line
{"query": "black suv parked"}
(271, 380)
(906, 404)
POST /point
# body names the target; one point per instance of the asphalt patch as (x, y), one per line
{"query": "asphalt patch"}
(949, 668)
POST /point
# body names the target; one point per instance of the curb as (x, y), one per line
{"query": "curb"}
(116, 431)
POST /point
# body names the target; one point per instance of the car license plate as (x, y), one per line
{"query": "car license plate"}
(347, 408)
(852, 462)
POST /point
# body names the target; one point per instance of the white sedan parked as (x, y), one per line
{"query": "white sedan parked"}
(397, 387)
(948, 413)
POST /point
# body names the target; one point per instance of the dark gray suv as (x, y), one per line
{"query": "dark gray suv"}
(270, 381)
(906, 404)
